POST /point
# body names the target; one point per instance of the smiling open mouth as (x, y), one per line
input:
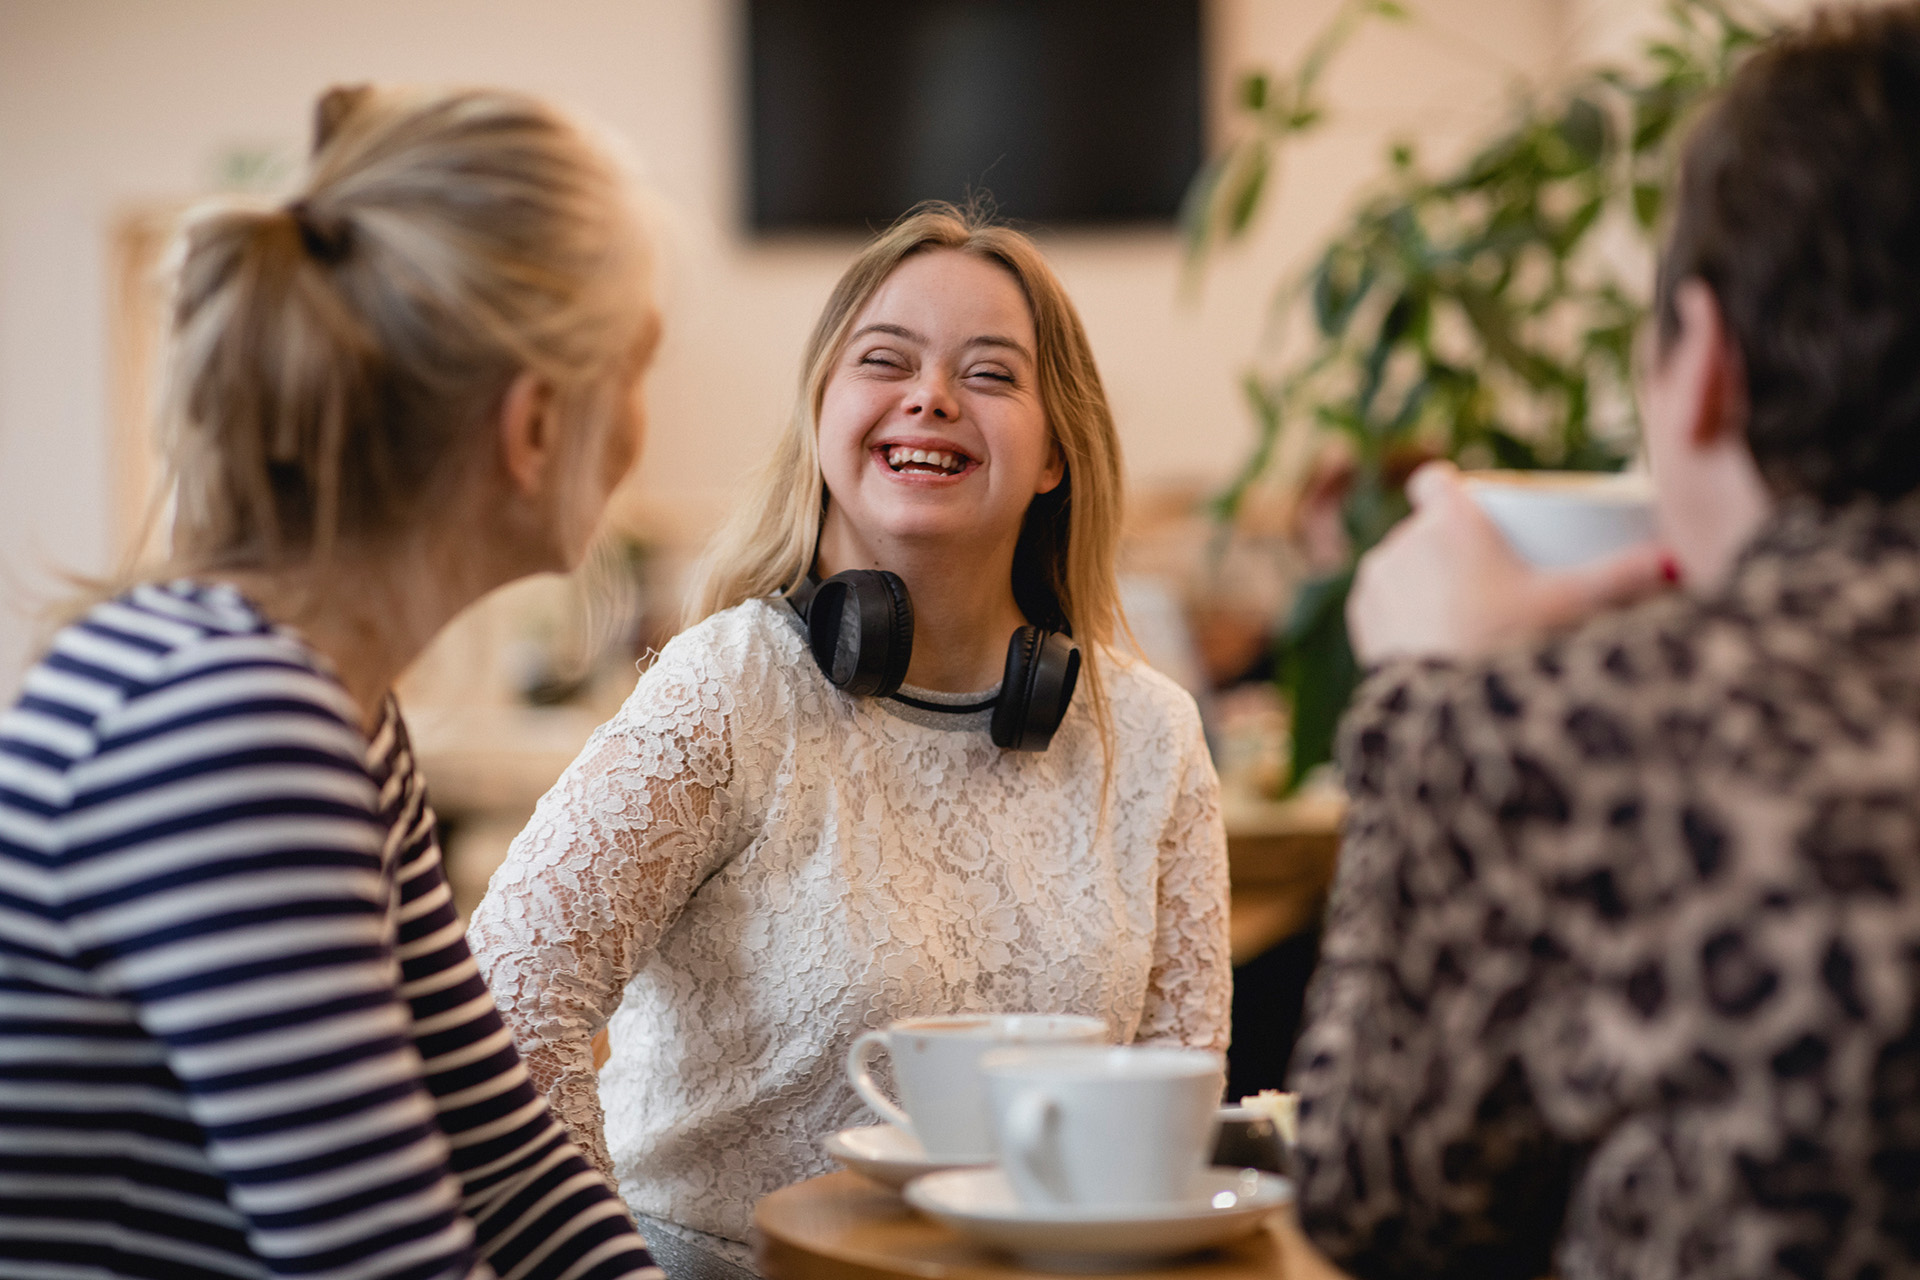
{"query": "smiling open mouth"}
(926, 461)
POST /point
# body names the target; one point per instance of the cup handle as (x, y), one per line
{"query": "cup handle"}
(859, 1058)
(1031, 1121)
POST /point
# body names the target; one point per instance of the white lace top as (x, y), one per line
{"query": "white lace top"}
(746, 868)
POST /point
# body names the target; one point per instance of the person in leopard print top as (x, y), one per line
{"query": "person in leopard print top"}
(1622, 968)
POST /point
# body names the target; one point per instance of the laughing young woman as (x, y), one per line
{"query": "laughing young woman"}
(766, 852)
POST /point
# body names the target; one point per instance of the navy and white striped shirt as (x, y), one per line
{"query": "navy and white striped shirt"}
(240, 1030)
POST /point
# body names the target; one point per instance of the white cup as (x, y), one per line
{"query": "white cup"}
(936, 1065)
(1105, 1127)
(1559, 519)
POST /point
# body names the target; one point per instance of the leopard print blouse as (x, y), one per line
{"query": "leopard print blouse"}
(1622, 967)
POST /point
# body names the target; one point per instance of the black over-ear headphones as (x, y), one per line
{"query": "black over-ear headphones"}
(860, 628)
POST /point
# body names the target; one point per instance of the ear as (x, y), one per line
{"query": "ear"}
(1713, 375)
(1056, 469)
(529, 433)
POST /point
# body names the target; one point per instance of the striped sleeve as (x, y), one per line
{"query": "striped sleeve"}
(540, 1210)
(224, 865)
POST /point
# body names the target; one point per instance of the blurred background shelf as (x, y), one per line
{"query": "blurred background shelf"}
(1280, 858)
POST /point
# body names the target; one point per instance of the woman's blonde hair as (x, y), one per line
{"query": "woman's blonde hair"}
(1063, 570)
(333, 359)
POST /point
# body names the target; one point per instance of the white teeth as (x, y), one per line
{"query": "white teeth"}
(900, 456)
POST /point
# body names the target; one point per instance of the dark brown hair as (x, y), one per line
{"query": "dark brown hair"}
(1799, 207)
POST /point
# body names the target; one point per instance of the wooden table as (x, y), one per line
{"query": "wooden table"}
(842, 1227)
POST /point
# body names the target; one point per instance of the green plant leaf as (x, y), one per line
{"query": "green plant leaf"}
(1253, 91)
(1394, 324)
(1495, 325)
(1197, 215)
(1318, 673)
(1412, 405)
(1647, 201)
(1268, 405)
(1341, 281)
(1372, 506)
(1242, 196)
(1576, 227)
(1584, 129)
(1467, 309)
(1655, 110)
(1511, 452)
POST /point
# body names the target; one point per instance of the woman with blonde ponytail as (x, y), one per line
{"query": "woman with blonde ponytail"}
(240, 1031)
(861, 786)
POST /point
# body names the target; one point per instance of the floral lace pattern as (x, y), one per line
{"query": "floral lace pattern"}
(746, 868)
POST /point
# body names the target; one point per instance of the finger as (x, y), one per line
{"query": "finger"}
(1432, 483)
(1359, 614)
(1623, 579)
(1360, 605)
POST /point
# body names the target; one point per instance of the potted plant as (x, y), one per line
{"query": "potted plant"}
(1484, 313)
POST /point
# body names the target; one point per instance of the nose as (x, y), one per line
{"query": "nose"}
(931, 396)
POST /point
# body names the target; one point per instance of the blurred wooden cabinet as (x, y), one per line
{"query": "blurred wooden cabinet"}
(1280, 861)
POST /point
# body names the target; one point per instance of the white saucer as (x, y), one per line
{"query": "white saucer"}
(887, 1155)
(980, 1204)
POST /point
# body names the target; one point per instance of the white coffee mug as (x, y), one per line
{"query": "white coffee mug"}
(1559, 519)
(936, 1065)
(1105, 1127)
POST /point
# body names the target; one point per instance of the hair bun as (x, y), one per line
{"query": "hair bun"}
(334, 106)
(326, 237)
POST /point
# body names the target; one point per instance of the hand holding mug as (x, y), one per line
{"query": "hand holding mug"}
(1446, 583)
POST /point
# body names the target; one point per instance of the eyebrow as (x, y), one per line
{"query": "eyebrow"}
(909, 335)
(995, 340)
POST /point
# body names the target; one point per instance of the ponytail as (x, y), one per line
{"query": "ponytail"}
(334, 360)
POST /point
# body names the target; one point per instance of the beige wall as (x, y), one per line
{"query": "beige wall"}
(111, 104)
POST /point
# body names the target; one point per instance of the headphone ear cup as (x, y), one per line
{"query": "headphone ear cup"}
(1043, 669)
(860, 628)
(897, 620)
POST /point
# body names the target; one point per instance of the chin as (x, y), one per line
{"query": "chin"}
(929, 526)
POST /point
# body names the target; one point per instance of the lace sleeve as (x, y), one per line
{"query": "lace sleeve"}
(608, 862)
(1190, 988)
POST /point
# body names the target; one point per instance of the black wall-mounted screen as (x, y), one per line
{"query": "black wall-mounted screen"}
(1067, 112)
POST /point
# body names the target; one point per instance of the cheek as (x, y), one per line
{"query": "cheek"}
(1040, 456)
(1053, 466)
(843, 419)
(846, 418)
